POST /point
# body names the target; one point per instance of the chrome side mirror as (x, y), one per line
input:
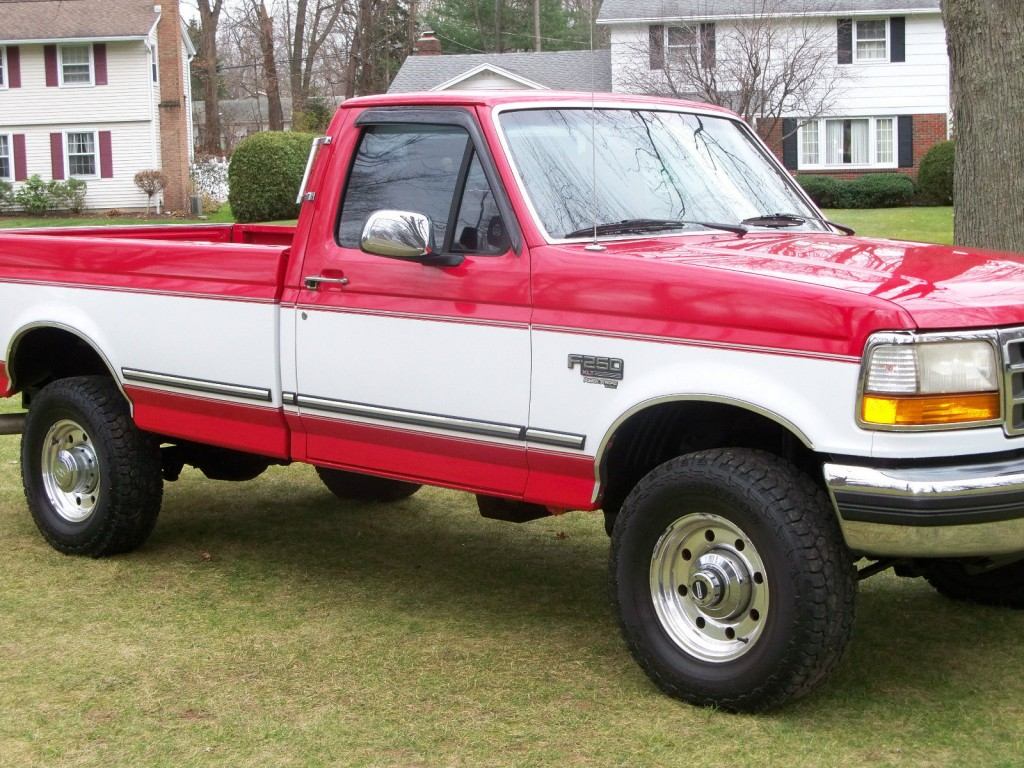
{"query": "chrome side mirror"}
(398, 234)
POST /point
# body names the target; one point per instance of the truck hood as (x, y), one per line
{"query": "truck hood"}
(938, 286)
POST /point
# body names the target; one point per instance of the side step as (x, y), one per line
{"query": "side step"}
(12, 423)
(509, 510)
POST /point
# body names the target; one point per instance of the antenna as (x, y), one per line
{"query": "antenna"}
(594, 245)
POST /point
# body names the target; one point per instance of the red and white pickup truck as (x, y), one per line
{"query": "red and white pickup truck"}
(556, 304)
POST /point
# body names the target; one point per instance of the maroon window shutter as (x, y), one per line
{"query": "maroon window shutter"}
(106, 156)
(50, 55)
(656, 35)
(20, 162)
(99, 62)
(57, 155)
(13, 67)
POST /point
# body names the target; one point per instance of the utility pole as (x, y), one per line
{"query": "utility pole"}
(536, 26)
(497, 26)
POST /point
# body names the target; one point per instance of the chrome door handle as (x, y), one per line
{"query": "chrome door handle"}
(313, 282)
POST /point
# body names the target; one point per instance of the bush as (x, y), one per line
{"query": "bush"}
(877, 190)
(265, 174)
(825, 191)
(68, 195)
(150, 182)
(210, 179)
(6, 195)
(935, 179)
(34, 197)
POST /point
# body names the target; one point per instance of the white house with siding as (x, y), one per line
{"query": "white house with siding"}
(887, 60)
(95, 90)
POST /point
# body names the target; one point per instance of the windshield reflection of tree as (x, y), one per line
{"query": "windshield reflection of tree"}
(659, 165)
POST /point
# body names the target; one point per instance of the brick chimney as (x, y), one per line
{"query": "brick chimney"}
(174, 135)
(427, 45)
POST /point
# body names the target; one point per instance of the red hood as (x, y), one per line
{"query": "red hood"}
(939, 286)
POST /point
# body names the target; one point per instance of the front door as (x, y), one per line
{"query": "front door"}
(419, 372)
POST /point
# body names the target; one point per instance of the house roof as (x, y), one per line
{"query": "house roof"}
(557, 70)
(44, 20)
(655, 10)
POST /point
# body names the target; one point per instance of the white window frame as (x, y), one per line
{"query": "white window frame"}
(10, 156)
(67, 155)
(92, 66)
(888, 42)
(872, 164)
(697, 44)
(5, 77)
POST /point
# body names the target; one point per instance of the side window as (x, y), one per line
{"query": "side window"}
(405, 168)
(479, 227)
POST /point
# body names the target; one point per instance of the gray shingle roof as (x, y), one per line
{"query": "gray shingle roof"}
(559, 70)
(627, 10)
(75, 19)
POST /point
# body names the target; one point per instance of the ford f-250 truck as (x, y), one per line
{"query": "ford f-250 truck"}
(555, 302)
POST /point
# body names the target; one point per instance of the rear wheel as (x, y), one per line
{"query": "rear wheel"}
(998, 583)
(732, 582)
(357, 487)
(92, 479)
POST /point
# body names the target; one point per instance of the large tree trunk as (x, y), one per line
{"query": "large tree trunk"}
(986, 51)
(275, 114)
(536, 26)
(295, 64)
(209, 16)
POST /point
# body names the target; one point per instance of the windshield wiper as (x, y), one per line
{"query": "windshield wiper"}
(776, 220)
(640, 226)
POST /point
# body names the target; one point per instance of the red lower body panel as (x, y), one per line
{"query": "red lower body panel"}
(5, 382)
(249, 428)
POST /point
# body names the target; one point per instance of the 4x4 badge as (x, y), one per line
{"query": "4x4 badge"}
(607, 371)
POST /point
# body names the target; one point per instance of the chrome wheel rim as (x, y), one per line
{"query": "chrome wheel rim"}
(709, 587)
(71, 471)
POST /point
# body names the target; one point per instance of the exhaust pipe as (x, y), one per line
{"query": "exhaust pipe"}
(12, 423)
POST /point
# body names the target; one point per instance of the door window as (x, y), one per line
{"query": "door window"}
(427, 169)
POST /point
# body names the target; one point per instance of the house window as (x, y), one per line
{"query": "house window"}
(809, 145)
(6, 157)
(3, 67)
(682, 44)
(871, 40)
(76, 65)
(82, 161)
(860, 142)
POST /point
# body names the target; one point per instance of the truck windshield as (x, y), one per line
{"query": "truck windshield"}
(650, 165)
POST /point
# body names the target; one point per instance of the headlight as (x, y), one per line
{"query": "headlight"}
(930, 384)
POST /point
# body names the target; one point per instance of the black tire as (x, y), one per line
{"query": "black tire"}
(129, 487)
(978, 582)
(352, 486)
(788, 525)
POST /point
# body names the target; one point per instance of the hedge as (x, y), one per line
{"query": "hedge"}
(872, 190)
(265, 174)
(935, 179)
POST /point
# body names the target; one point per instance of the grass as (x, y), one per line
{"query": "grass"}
(267, 624)
(222, 216)
(925, 225)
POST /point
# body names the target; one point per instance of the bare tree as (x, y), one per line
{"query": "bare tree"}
(761, 66)
(986, 51)
(209, 18)
(309, 23)
(275, 114)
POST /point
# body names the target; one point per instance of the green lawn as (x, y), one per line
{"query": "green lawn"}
(926, 225)
(222, 216)
(267, 624)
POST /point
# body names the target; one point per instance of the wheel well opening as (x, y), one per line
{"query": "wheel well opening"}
(664, 431)
(44, 355)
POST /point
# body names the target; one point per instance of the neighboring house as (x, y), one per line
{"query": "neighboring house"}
(428, 70)
(96, 90)
(891, 101)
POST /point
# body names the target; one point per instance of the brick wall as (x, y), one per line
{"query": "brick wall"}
(929, 130)
(174, 133)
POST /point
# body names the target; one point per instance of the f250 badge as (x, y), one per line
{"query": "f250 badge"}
(607, 371)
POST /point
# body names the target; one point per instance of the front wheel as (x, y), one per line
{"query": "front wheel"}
(732, 581)
(92, 479)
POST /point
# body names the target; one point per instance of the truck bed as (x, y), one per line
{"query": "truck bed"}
(248, 234)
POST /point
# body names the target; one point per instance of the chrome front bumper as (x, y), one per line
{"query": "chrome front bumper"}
(949, 511)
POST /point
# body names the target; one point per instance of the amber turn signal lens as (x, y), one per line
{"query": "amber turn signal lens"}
(929, 410)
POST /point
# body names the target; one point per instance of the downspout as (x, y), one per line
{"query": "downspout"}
(153, 138)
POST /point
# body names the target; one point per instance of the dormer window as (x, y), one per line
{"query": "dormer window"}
(76, 65)
(871, 40)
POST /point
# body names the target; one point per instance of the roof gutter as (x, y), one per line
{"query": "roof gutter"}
(737, 16)
(70, 40)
